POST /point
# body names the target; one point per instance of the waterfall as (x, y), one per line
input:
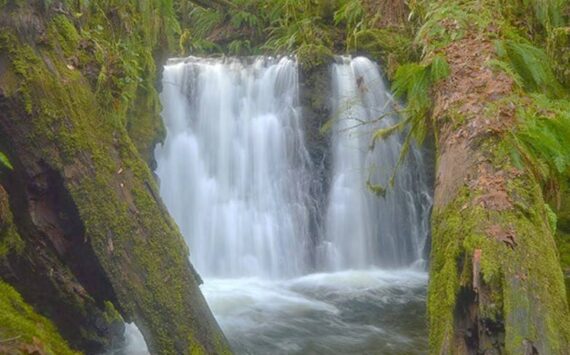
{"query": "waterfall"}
(362, 229)
(234, 169)
(292, 264)
(235, 173)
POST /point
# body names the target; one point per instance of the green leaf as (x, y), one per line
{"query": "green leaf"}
(5, 161)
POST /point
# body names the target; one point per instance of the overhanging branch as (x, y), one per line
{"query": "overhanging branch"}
(216, 4)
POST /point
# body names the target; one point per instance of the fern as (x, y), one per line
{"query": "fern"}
(238, 47)
(439, 69)
(351, 14)
(542, 137)
(532, 66)
(204, 21)
(547, 13)
(412, 82)
(204, 46)
(241, 18)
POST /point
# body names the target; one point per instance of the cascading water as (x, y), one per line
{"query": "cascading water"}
(233, 169)
(236, 176)
(363, 230)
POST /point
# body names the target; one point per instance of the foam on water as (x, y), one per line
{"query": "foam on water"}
(328, 313)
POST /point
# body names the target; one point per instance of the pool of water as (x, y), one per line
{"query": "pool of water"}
(349, 312)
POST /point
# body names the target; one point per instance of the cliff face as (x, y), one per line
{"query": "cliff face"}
(76, 83)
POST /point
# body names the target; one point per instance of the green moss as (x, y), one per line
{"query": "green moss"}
(65, 34)
(78, 126)
(311, 56)
(21, 328)
(450, 228)
(111, 314)
(526, 292)
(394, 46)
(10, 241)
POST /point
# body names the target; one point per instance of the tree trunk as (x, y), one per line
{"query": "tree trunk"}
(496, 284)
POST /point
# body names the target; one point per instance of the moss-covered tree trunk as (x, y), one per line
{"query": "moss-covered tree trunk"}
(76, 85)
(496, 284)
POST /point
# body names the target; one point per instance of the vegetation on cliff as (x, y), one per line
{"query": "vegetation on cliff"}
(78, 97)
(23, 330)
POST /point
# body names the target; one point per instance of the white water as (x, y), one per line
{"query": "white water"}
(348, 312)
(235, 175)
(233, 169)
(363, 230)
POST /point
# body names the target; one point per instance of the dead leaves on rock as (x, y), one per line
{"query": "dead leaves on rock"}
(470, 88)
(502, 234)
(495, 200)
(15, 346)
(492, 184)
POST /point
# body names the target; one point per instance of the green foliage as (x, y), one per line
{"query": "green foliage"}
(557, 48)
(412, 82)
(393, 46)
(537, 17)
(552, 218)
(531, 66)
(434, 34)
(66, 34)
(542, 136)
(4, 161)
(10, 241)
(285, 27)
(376, 189)
(240, 18)
(297, 28)
(549, 13)
(203, 21)
(540, 140)
(351, 15)
(239, 47)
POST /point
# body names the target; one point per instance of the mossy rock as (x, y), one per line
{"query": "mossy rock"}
(24, 331)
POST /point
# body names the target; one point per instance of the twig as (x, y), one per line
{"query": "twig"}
(10, 339)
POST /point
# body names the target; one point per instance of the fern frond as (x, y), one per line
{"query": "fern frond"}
(204, 21)
(533, 67)
(439, 69)
(542, 137)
